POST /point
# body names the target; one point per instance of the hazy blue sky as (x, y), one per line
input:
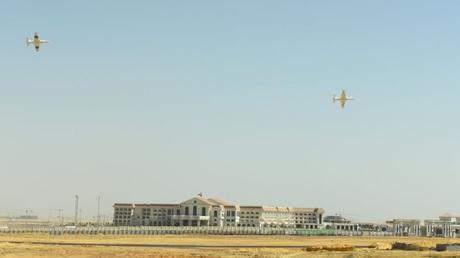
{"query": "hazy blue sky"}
(155, 101)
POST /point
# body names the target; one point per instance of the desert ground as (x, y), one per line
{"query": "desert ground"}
(85, 246)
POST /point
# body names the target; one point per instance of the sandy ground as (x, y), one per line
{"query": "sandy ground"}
(10, 250)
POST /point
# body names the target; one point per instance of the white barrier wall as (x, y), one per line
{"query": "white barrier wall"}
(147, 230)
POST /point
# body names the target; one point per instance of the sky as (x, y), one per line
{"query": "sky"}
(156, 101)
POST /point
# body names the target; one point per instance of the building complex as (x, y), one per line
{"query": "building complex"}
(200, 211)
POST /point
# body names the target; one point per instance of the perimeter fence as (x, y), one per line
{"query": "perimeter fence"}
(148, 230)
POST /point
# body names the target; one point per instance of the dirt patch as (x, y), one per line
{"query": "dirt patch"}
(335, 248)
(381, 246)
(315, 247)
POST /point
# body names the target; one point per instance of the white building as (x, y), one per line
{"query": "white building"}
(338, 222)
(448, 225)
(123, 213)
(406, 227)
(200, 211)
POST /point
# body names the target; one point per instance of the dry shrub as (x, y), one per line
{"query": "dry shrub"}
(313, 248)
(340, 248)
(406, 247)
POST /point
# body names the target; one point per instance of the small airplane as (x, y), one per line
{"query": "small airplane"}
(36, 41)
(343, 98)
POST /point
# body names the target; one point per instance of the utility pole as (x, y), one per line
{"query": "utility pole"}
(60, 220)
(99, 210)
(27, 216)
(76, 210)
(61, 217)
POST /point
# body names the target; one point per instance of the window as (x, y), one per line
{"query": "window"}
(203, 211)
(194, 210)
(233, 213)
(228, 213)
(186, 210)
(215, 213)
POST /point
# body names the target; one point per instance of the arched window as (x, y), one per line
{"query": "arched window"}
(203, 211)
(186, 210)
(194, 210)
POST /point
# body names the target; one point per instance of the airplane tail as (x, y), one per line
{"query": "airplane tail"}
(27, 41)
(333, 99)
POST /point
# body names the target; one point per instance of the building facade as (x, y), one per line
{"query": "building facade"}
(122, 214)
(406, 227)
(200, 211)
(447, 225)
